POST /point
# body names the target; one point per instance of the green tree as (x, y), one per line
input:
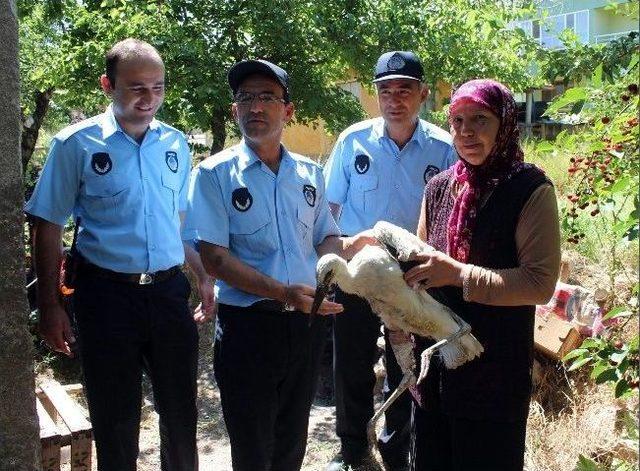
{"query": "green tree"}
(457, 39)
(199, 41)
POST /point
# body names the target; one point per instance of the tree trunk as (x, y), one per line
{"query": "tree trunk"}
(218, 131)
(19, 433)
(31, 125)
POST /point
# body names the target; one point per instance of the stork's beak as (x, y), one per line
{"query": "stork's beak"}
(321, 292)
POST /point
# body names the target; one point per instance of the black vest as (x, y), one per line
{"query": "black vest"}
(496, 385)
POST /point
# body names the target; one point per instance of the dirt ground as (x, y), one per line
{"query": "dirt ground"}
(213, 442)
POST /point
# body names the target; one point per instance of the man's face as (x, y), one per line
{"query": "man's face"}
(138, 91)
(262, 113)
(400, 99)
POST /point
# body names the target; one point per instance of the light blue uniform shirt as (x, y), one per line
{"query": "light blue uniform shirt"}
(127, 194)
(270, 222)
(373, 180)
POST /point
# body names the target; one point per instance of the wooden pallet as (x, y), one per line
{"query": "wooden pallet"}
(63, 423)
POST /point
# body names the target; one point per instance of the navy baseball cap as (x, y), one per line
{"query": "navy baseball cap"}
(398, 65)
(243, 69)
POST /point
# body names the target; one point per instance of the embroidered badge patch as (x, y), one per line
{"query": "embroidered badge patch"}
(309, 194)
(171, 158)
(395, 62)
(101, 163)
(241, 199)
(430, 172)
(362, 163)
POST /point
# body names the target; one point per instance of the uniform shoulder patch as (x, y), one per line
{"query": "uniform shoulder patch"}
(241, 199)
(362, 163)
(309, 192)
(430, 172)
(171, 158)
(101, 163)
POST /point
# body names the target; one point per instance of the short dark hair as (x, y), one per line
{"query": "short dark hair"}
(125, 50)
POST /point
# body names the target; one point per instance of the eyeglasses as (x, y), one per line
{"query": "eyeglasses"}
(246, 98)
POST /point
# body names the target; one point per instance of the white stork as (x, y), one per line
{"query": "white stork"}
(376, 274)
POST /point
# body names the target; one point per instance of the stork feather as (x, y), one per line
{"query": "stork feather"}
(376, 274)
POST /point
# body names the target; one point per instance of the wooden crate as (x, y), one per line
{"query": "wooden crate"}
(63, 423)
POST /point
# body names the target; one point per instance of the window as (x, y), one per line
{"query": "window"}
(547, 32)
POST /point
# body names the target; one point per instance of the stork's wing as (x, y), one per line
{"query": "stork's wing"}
(400, 243)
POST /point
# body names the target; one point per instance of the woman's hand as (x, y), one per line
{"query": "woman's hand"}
(436, 269)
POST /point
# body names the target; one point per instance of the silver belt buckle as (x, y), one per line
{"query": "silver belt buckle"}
(145, 279)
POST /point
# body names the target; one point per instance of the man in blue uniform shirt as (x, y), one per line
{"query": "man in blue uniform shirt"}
(261, 218)
(124, 175)
(377, 171)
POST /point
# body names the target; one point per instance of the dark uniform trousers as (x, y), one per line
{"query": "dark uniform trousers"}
(123, 329)
(356, 331)
(266, 366)
(447, 443)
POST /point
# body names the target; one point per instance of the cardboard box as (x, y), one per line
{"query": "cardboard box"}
(555, 337)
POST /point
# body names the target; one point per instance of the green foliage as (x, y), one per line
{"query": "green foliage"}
(199, 41)
(603, 195)
(576, 61)
(458, 39)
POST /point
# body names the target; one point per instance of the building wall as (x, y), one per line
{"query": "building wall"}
(604, 21)
(555, 7)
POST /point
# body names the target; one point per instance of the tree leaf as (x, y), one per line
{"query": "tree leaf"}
(622, 387)
(578, 363)
(596, 78)
(585, 464)
(578, 352)
(570, 97)
(609, 374)
(619, 311)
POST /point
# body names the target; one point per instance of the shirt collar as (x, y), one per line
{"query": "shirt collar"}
(247, 157)
(110, 125)
(420, 135)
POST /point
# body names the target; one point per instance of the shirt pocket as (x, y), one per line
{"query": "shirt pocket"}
(305, 217)
(250, 234)
(363, 192)
(108, 198)
(171, 188)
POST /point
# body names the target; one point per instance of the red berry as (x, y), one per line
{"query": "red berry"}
(618, 344)
(625, 97)
(605, 120)
(595, 212)
(633, 88)
(618, 147)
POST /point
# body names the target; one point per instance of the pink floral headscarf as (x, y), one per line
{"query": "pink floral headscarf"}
(503, 161)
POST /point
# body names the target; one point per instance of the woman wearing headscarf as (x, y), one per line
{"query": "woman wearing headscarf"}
(493, 220)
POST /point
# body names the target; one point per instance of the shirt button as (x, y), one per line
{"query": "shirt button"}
(153, 247)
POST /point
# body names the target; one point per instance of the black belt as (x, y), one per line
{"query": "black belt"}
(135, 278)
(272, 305)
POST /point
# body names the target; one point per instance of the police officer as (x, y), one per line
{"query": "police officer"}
(377, 171)
(261, 218)
(125, 175)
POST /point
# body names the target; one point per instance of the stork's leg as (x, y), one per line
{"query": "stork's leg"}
(407, 380)
(425, 356)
